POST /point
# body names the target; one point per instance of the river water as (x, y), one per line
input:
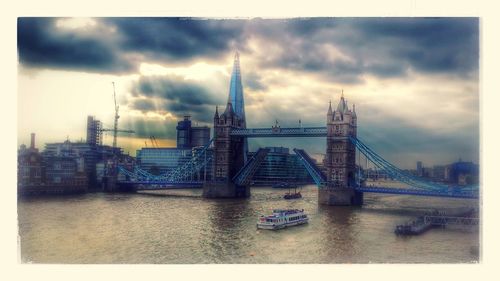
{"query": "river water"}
(180, 227)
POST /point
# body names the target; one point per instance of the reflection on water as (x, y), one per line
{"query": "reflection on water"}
(181, 227)
(340, 240)
(226, 235)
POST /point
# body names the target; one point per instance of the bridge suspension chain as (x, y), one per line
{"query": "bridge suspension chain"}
(399, 174)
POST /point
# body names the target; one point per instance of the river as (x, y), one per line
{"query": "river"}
(181, 227)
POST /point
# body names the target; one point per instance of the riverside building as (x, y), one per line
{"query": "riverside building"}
(280, 166)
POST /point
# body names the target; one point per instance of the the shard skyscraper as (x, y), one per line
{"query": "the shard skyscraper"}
(236, 89)
(236, 95)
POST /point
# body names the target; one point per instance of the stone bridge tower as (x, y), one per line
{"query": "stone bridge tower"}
(340, 159)
(229, 152)
(228, 156)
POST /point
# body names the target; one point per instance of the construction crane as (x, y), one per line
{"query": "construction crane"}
(117, 107)
(154, 143)
(115, 128)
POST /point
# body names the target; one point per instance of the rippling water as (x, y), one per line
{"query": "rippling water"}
(181, 227)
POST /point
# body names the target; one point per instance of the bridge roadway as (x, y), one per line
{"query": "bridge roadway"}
(162, 185)
(149, 185)
(280, 132)
(406, 191)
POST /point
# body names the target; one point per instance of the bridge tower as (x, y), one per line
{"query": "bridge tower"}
(340, 159)
(228, 156)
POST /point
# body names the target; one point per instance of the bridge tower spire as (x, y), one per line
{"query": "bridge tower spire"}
(340, 158)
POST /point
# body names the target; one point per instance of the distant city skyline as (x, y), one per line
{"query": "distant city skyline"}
(414, 80)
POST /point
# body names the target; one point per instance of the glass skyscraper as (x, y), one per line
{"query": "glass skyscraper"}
(236, 97)
(281, 166)
(161, 160)
(236, 89)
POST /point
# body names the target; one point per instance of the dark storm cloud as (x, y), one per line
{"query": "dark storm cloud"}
(403, 144)
(42, 44)
(177, 96)
(134, 40)
(313, 62)
(306, 26)
(386, 70)
(144, 105)
(145, 128)
(428, 44)
(178, 39)
(384, 47)
(254, 82)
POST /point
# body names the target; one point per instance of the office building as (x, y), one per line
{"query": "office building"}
(29, 165)
(159, 161)
(420, 170)
(280, 166)
(189, 136)
(66, 171)
(52, 172)
(89, 153)
(462, 173)
(94, 131)
(162, 160)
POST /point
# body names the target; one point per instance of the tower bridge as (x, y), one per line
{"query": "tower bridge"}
(340, 181)
(336, 181)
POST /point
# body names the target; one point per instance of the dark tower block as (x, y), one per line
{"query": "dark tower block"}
(184, 133)
(228, 156)
(94, 130)
(340, 159)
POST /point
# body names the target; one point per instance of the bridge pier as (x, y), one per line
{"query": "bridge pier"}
(225, 190)
(340, 197)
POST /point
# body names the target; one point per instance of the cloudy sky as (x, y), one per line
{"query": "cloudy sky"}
(415, 81)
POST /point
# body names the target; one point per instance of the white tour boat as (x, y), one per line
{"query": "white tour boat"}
(282, 218)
